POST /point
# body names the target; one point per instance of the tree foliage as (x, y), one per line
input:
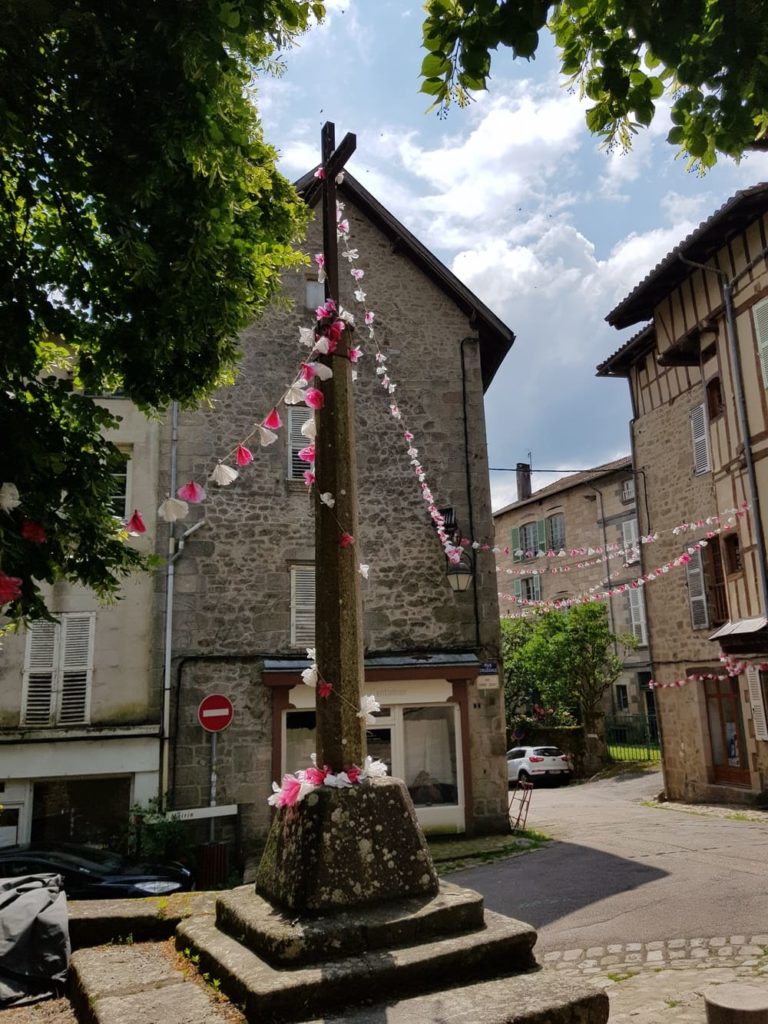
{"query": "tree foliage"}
(566, 660)
(708, 57)
(142, 225)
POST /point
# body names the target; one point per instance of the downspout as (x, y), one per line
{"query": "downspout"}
(168, 635)
(468, 474)
(741, 409)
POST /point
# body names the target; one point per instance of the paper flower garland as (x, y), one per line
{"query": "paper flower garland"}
(173, 509)
(135, 524)
(223, 475)
(295, 787)
(191, 492)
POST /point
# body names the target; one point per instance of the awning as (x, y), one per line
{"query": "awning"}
(743, 636)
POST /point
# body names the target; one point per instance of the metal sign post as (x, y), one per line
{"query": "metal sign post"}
(215, 712)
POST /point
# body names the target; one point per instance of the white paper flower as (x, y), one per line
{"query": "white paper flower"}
(312, 657)
(321, 346)
(368, 705)
(295, 393)
(339, 179)
(347, 316)
(173, 509)
(374, 768)
(266, 437)
(9, 497)
(364, 570)
(307, 336)
(360, 295)
(327, 499)
(320, 370)
(309, 428)
(340, 781)
(224, 475)
(310, 676)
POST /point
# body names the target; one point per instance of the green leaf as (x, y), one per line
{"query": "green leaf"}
(676, 136)
(433, 86)
(434, 64)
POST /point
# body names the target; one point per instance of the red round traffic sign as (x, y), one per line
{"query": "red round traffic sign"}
(215, 712)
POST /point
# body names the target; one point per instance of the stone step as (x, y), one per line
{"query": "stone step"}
(531, 998)
(270, 994)
(284, 940)
(139, 984)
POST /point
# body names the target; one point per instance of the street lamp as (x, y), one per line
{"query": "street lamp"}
(460, 575)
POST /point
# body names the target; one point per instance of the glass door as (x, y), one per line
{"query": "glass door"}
(726, 732)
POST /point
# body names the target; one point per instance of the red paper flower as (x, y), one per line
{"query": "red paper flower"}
(307, 454)
(324, 688)
(309, 477)
(191, 492)
(273, 421)
(136, 524)
(243, 455)
(316, 775)
(346, 540)
(353, 773)
(33, 532)
(313, 397)
(10, 588)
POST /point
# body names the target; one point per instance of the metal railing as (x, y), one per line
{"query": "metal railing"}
(632, 738)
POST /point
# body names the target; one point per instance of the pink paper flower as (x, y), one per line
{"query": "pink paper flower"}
(369, 316)
(357, 273)
(408, 435)
(309, 477)
(343, 227)
(191, 492)
(354, 354)
(307, 454)
(273, 421)
(324, 688)
(136, 524)
(353, 773)
(316, 775)
(320, 173)
(314, 398)
(319, 258)
(243, 456)
(33, 532)
(306, 372)
(290, 791)
(334, 331)
(10, 588)
(345, 540)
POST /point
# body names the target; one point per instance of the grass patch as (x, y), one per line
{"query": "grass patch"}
(620, 976)
(452, 853)
(671, 1003)
(738, 816)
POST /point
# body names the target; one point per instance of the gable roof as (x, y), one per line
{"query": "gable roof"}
(618, 364)
(712, 234)
(565, 483)
(496, 339)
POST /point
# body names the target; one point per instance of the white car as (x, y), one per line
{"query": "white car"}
(524, 764)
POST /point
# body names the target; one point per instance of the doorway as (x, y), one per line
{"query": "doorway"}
(726, 732)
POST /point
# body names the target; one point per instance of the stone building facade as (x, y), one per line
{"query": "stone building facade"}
(575, 534)
(698, 375)
(79, 707)
(242, 608)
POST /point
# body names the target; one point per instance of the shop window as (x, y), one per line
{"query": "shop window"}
(715, 406)
(429, 735)
(93, 811)
(300, 741)
(302, 605)
(58, 667)
(556, 532)
(297, 418)
(732, 550)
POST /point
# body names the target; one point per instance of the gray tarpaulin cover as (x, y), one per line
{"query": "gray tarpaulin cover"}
(34, 939)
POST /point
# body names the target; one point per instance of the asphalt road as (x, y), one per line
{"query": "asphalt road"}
(622, 872)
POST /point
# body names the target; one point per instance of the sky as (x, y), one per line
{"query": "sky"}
(519, 200)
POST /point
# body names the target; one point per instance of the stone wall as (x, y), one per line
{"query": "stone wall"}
(233, 580)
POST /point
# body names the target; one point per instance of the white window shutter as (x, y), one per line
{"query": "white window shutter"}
(637, 616)
(757, 702)
(700, 438)
(536, 588)
(760, 316)
(631, 536)
(697, 592)
(39, 669)
(302, 605)
(297, 417)
(76, 669)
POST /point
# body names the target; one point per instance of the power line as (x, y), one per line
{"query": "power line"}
(507, 469)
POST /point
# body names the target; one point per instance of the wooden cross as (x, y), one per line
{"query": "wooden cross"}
(338, 604)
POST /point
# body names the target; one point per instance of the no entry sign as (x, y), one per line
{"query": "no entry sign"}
(215, 712)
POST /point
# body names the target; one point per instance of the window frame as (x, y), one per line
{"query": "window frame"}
(701, 448)
(733, 558)
(637, 616)
(62, 691)
(301, 635)
(126, 491)
(630, 534)
(551, 545)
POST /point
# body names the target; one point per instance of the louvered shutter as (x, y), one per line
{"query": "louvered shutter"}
(516, 544)
(535, 588)
(76, 659)
(697, 592)
(39, 670)
(297, 417)
(302, 605)
(541, 535)
(517, 588)
(757, 702)
(760, 316)
(700, 437)
(637, 616)
(630, 535)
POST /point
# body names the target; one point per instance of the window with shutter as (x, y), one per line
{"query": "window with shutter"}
(531, 588)
(556, 531)
(756, 701)
(297, 417)
(302, 605)
(517, 553)
(529, 540)
(637, 616)
(700, 437)
(760, 316)
(631, 537)
(697, 592)
(57, 671)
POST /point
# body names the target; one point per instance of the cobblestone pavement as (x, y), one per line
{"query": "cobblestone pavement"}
(664, 982)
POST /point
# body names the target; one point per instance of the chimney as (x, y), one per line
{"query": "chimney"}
(523, 473)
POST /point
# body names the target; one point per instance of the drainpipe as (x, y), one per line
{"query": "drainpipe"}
(741, 409)
(468, 477)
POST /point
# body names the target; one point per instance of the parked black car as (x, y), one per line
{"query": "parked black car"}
(90, 873)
